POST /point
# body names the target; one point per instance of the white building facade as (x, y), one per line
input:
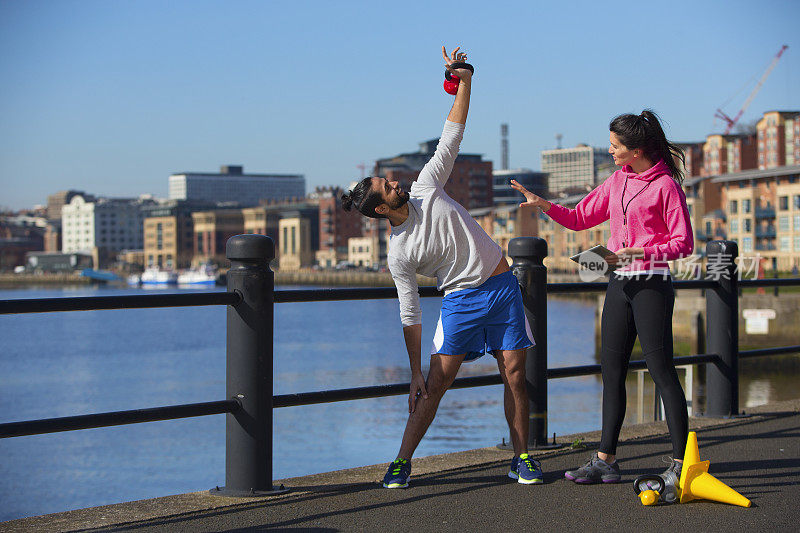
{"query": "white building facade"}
(574, 169)
(109, 225)
(231, 184)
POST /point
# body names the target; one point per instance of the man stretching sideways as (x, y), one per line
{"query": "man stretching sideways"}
(482, 308)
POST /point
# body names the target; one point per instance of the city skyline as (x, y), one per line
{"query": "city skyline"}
(113, 98)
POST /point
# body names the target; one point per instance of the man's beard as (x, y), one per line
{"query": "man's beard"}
(401, 200)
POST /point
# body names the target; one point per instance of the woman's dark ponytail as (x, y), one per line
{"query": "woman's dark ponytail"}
(645, 132)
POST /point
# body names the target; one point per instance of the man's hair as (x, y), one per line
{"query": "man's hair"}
(364, 199)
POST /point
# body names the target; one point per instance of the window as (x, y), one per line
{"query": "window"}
(708, 227)
(783, 223)
(747, 244)
(733, 206)
(797, 243)
(294, 244)
(746, 204)
(796, 201)
(734, 225)
(783, 203)
(784, 244)
(748, 225)
(796, 222)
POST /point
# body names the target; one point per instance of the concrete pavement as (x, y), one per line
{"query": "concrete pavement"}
(759, 456)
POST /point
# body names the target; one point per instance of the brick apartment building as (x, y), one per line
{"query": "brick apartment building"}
(470, 182)
(336, 226)
(778, 139)
(723, 154)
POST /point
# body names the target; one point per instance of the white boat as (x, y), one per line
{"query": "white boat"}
(134, 280)
(203, 276)
(156, 276)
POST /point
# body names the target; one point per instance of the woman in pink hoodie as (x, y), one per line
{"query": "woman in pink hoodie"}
(650, 225)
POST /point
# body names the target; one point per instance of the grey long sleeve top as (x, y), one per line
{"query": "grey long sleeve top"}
(439, 239)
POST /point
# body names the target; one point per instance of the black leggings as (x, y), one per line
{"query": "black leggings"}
(644, 307)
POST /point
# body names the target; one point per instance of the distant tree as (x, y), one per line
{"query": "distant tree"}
(746, 128)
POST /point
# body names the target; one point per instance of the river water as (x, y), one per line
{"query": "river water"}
(65, 364)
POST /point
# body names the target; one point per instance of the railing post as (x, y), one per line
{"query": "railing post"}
(722, 329)
(248, 432)
(528, 254)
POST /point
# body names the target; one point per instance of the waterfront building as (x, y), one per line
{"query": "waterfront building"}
(503, 194)
(725, 154)
(778, 139)
(16, 241)
(231, 184)
(563, 243)
(336, 226)
(169, 233)
(295, 241)
(693, 155)
(52, 236)
(365, 252)
(266, 219)
(103, 227)
(212, 229)
(762, 211)
(56, 201)
(49, 262)
(574, 170)
(470, 182)
(505, 222)
(704, 197)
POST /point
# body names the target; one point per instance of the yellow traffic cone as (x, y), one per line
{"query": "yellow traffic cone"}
(690, 456)
(697, 483)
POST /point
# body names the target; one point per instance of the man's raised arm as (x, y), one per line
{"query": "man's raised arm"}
(458, 113)
(436, 172)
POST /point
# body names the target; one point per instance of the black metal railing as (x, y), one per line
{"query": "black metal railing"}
(251, 297)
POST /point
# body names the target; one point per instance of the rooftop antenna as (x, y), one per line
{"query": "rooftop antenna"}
(363, 168)
(504, 146)
(558, 140)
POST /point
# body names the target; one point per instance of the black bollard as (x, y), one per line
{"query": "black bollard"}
(528, 254)
(722, 329)
(248, 435)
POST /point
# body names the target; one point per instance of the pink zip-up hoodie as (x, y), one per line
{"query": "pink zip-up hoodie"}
(652, 215)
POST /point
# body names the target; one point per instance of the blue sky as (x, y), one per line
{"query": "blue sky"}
(112, 97)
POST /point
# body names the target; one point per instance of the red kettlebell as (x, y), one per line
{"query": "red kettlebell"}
(451, 84)
(451, 81)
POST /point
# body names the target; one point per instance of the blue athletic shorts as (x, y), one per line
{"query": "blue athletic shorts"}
(480, 320)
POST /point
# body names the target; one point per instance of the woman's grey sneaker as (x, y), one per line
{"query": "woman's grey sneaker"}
(595, 471)
(674, 468)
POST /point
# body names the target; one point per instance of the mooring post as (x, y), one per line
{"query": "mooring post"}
(722, 329)
(527, 254)
(248, 433)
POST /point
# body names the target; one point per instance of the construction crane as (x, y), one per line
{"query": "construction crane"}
(732, 121)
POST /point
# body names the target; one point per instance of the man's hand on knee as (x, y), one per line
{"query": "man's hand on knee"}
(417, 389)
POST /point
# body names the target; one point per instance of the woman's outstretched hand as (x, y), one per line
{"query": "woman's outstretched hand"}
(531, 199)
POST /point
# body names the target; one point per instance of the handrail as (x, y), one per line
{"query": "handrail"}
(136, 301)
(116, 418)
(770, 282)
(397, 389)
(140, 301)
(780, 350)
